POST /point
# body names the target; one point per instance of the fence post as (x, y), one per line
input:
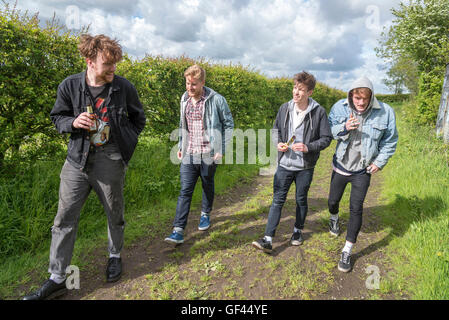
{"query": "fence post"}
(442, 127)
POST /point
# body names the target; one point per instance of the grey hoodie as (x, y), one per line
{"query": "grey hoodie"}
(293, 160)
(352, 161)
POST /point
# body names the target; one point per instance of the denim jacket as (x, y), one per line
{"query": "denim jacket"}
(379, 132)
(217, 120)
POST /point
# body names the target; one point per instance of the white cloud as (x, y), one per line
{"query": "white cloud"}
(333, 39)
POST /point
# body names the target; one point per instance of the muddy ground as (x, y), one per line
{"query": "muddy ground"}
(220, 263)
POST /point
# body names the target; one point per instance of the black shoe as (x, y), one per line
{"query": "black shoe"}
(114, 269)
(48, 291)
(297, 239)
(344, 265)
(264, 245)
(334, 227)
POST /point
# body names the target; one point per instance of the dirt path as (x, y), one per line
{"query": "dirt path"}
(221, 263)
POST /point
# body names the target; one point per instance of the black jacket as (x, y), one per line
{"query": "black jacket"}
(317, 132)
(125, 112)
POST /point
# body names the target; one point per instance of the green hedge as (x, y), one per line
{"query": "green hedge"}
(253, 99)
(33, 61)
(393, 98)
(429, 96)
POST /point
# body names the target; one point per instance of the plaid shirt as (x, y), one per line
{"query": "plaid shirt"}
(198, 141)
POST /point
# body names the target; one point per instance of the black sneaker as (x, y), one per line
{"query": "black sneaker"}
(344, 265)
(48, 291)
(334, 227)
(114, 269)
(264, 245)
(296, 239)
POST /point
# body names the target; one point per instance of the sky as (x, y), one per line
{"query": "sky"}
(332, 39)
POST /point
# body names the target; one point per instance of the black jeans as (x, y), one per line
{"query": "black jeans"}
(191, 169)
(359, 188)
(283, 179)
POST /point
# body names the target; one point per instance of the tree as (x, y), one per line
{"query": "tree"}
(420, 32)
(34, 61)
(420, 35)
(403, 74)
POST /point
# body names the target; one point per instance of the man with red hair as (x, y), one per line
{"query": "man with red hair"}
(104, 117)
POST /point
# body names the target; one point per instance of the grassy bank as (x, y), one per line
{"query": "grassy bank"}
(417, 213)
(30, 199)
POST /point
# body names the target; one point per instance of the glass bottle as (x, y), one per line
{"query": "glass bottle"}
(94, 127)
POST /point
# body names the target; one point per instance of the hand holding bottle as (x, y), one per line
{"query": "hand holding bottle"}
(86, 120)
(83, 121)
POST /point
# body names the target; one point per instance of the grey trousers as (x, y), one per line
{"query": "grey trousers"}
(105, 173)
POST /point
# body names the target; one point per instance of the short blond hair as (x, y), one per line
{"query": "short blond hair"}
(196, 72)
(363, 91)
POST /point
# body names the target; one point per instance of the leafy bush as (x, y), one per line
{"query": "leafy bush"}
(253, 99)
(393, 98)
(327, 96)
(34, 61)
(429, 96)
(160, 84)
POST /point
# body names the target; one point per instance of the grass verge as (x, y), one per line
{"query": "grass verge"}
(416, 213)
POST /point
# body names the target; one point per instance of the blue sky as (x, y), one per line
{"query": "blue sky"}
(334, 40)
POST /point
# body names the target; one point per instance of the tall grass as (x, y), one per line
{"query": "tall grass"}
(29, 202)
(417, 211)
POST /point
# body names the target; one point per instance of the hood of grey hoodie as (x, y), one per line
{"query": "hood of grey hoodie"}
(292, 160)
(312, 105)
(291, 106)
(352, 161)
(363, 82)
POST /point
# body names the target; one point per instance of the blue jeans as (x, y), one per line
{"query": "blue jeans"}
(283, 179)
(191, 169)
